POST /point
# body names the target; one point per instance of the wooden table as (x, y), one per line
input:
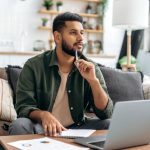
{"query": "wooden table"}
(6, 139)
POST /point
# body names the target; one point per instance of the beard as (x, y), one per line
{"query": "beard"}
(70, 51)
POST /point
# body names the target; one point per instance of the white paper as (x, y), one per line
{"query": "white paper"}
(76, 133)
(44, 144)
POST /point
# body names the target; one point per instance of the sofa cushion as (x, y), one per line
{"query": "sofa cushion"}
(13, 75)
(123, 86)
(146, 87)
(7, 111)
(3, 73)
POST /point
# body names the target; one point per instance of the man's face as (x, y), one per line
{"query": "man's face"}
(72, 37)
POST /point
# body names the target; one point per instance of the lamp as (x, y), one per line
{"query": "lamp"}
(130, 15)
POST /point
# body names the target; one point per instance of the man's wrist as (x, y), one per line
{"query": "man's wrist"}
(93, 81)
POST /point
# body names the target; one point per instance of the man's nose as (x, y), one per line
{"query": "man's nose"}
(80, 37)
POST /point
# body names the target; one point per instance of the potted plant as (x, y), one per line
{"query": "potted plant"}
(59, 5)
(44, 21)
(89, 9)
(48, 4)
(101, 8)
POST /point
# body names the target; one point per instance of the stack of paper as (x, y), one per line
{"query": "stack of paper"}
(44, 144)
(74, 133)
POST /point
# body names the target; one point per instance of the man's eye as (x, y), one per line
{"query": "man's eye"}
(73, 33)
(82, 33)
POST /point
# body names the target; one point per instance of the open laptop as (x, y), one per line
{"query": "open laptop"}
(130, 126)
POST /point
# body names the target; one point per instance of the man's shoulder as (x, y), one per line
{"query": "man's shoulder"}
(39, 59)
(39, 56)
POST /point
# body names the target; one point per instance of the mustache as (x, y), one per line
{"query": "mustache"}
(80, 43)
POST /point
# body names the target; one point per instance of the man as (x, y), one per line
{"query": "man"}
(55, 88)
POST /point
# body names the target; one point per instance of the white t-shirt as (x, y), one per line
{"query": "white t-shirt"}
(61, 106)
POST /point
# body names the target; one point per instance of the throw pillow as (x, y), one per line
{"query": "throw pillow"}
(13, 75)
(146, 87)
(121, 85)
(7, 111)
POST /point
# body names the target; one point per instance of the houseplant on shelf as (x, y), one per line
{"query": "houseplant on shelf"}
(44, 21)
(59, 5)
(48, 4)
(101, 8)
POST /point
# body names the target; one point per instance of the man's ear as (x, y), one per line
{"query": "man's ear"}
(57, 37)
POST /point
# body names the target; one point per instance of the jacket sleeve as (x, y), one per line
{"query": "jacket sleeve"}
(25, 93)
(107, 112)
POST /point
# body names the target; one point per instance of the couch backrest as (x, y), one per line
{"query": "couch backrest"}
(13, 73)
(121, 85)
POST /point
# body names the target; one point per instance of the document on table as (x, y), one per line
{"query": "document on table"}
(74, 133)
(44, 144)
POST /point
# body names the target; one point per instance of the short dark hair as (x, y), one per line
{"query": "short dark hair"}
(59, 21)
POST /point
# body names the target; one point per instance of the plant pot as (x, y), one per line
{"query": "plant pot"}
(59, 8)
(44, 24)
(48, 7)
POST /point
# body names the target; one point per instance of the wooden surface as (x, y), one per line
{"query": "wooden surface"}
(33, 53)
(25, 53)
(96, 1)
(55, 12)
(86, 30)
(6, 139)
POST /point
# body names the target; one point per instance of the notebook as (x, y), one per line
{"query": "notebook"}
(75, 133)
(130, 126)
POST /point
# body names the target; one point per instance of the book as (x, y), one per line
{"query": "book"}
(76, 133)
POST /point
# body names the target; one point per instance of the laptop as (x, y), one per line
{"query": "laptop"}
(130, 126)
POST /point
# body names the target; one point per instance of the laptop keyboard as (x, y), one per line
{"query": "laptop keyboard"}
(98, 144)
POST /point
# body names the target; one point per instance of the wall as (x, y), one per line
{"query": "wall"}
(19, 21)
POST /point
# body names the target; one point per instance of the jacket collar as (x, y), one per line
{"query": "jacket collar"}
(52, 60)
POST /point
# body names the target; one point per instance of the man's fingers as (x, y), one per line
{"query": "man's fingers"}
(64, 129)
(50, 130)
(45, 129)
(54, 131)
(59, 129)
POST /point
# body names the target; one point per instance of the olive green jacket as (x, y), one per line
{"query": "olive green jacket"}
(39, 82)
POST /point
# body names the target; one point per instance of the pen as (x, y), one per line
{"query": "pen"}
(76, 55)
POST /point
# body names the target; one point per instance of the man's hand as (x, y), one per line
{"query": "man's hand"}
(86, 69)
(51, 125)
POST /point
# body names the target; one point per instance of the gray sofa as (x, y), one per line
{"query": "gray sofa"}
(122, 86)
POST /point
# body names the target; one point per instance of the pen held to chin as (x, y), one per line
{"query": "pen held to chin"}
(76, 55)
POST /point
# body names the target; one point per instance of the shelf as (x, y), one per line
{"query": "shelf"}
(54, 12)
(100, 56)
(96, 1)
(86, 30)
(93, 31)
(27, 53)
(33, 53)
(89, 15)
